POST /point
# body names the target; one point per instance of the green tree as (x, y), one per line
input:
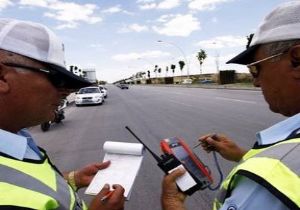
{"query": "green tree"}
(167, 69)
(159, 70)
(173, 68)
(155, 70)
(181, 65)
(201, 55)
(249, 39)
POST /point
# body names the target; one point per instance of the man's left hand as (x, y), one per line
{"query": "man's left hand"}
(84, 176)
(171, 197)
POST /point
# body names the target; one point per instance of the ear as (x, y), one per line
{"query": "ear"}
(4, 85)
(295, 56)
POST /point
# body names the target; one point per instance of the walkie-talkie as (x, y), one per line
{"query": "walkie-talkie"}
(177, 154)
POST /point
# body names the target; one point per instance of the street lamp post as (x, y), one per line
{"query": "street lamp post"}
(181, 51)
(217, 57)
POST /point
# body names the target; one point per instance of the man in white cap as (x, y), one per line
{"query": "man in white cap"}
(32, 67)
(267, 176)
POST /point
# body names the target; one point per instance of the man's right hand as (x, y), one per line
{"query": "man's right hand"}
(223, 145)
(114, 202)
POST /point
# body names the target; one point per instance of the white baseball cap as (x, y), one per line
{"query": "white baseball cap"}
(38, 42)
(282, 24)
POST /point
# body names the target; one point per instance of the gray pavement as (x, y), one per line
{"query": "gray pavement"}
(155, 113)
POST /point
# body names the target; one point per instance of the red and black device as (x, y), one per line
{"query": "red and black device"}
(177, 147)
(176, 153)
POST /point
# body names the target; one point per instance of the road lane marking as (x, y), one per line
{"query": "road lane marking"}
(236, 100)
(176, 102)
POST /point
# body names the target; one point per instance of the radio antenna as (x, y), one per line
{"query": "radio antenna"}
(152, 153)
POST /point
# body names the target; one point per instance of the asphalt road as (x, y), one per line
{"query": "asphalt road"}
(155, 113)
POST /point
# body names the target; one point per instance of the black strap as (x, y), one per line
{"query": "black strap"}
(14, 208)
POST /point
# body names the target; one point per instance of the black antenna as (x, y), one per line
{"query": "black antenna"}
(152, 153)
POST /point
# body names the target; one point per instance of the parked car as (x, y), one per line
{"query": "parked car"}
(103, 90)
(123, 86)
(206, 81)
(187, 81)
(89, 95)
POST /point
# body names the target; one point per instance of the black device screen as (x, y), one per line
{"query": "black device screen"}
(183, 156)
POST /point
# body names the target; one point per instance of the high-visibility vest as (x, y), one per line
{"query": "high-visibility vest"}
(275, 167)
(35, 184)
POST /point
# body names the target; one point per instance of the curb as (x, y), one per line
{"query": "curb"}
(227, 87)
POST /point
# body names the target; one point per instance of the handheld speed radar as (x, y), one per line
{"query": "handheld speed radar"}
(177, 154)
(177, 147)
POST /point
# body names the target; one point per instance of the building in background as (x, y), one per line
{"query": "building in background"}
(90, 75)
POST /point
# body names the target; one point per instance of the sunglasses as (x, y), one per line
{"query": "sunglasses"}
(53, 76)
(253, 67)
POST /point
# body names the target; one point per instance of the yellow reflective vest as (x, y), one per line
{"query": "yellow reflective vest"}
(276, 167)
(35, 184)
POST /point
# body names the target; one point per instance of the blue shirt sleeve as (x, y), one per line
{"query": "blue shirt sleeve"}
(249, 195)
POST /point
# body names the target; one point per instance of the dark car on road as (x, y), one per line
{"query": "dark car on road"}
(123, 86)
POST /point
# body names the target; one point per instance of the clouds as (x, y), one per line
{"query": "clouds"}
(182, 24)
(134, 28)
(138, 55)
(5, 3)
(151, 4)
(223, 42)
(177, 25)
(69, 14)
(205, 4)
(168, 25)
(112, 35)
(116, 9)
(168, 4)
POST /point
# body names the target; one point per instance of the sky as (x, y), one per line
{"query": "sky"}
(119, 38)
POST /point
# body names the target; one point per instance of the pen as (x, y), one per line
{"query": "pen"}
(108, 195)
(212, 136)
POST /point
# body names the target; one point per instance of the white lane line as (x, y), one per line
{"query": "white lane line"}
(236, 100)
(176, 102)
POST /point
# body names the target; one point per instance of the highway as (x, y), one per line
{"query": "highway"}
(155, 113)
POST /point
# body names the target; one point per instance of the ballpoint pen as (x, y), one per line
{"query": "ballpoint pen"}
(108, 195)
(212, 136)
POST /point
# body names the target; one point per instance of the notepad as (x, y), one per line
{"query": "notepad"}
(126, 160)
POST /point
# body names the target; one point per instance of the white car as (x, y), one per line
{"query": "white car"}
(103, 90)
(89, 95)
(187, 81)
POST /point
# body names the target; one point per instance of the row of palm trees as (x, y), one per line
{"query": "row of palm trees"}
(201, 56)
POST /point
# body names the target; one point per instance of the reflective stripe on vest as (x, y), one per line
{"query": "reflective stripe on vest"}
(58, 195)
(15, 177)
(276, 168)
(286, 153)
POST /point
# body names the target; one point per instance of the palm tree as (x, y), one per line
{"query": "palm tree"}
(201, 55)
(167, 69)
(173, 68)
(155, 70)
(159, 71)
(181, 65)
(249, 39)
